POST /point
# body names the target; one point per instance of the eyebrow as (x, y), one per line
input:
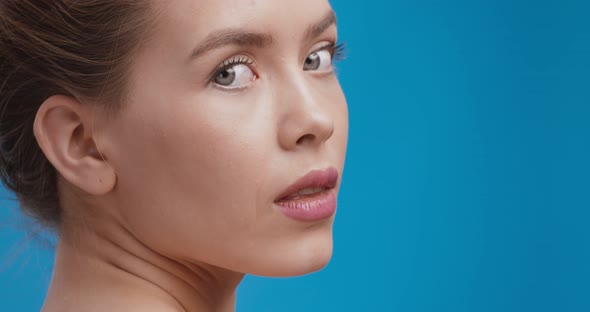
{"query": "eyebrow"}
(318, 28)
(239, 37)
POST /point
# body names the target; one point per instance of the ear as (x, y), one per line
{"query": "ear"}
(63, 128)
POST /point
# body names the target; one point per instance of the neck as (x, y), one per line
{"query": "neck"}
(108, 269)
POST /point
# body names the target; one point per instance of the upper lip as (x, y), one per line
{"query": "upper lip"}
(326, 179)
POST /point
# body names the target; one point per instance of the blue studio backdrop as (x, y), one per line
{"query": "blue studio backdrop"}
(467, 181)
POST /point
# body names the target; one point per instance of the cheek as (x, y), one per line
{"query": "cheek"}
(194, 176)
(220, 162)
(337, 144)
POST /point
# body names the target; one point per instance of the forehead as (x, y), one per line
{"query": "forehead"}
(197, 18)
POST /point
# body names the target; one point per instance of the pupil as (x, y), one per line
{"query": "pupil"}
(226, 77)
(312, 62)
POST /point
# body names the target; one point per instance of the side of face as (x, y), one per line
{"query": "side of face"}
(201, 155)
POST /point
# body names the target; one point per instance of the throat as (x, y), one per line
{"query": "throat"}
(115, 271)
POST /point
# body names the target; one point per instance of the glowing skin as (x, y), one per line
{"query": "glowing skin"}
(183, 207)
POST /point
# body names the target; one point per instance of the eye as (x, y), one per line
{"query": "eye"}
(319, 61)
(234, 74)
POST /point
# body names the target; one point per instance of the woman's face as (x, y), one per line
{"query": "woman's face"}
(231, 103)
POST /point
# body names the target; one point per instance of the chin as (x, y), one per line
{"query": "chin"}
(297, 258)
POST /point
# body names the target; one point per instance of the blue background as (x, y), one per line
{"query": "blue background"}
(467, 182)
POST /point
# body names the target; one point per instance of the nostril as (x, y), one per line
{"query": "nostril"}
(307, 137)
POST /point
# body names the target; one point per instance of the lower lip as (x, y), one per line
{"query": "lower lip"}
(313, 208)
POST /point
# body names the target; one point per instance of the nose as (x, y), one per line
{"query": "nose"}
(305, 120)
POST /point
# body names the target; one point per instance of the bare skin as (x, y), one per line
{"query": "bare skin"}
(169, 203)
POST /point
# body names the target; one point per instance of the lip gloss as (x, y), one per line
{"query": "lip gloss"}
(298, 203)
(310, 208)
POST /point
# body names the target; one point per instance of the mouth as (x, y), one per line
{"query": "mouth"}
(311, 197)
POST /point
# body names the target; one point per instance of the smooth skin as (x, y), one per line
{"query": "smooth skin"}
(168, 203)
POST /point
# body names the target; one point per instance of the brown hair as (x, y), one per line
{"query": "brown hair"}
(78, 48)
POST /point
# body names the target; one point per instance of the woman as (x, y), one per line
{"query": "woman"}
(174, 146)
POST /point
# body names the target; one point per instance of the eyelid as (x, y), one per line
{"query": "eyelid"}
(337, 49)
(322, 46)
(232, 61)
(228, 89)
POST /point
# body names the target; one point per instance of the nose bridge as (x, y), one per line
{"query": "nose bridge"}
(306, 118)
(301, 95)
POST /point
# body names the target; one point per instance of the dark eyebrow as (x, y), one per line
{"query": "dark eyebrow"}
(236, 36)
(317, 29)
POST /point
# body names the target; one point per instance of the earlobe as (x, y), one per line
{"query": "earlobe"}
(63, 128)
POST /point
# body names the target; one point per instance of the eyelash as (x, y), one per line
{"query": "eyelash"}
(236, 60)
(336, 49)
